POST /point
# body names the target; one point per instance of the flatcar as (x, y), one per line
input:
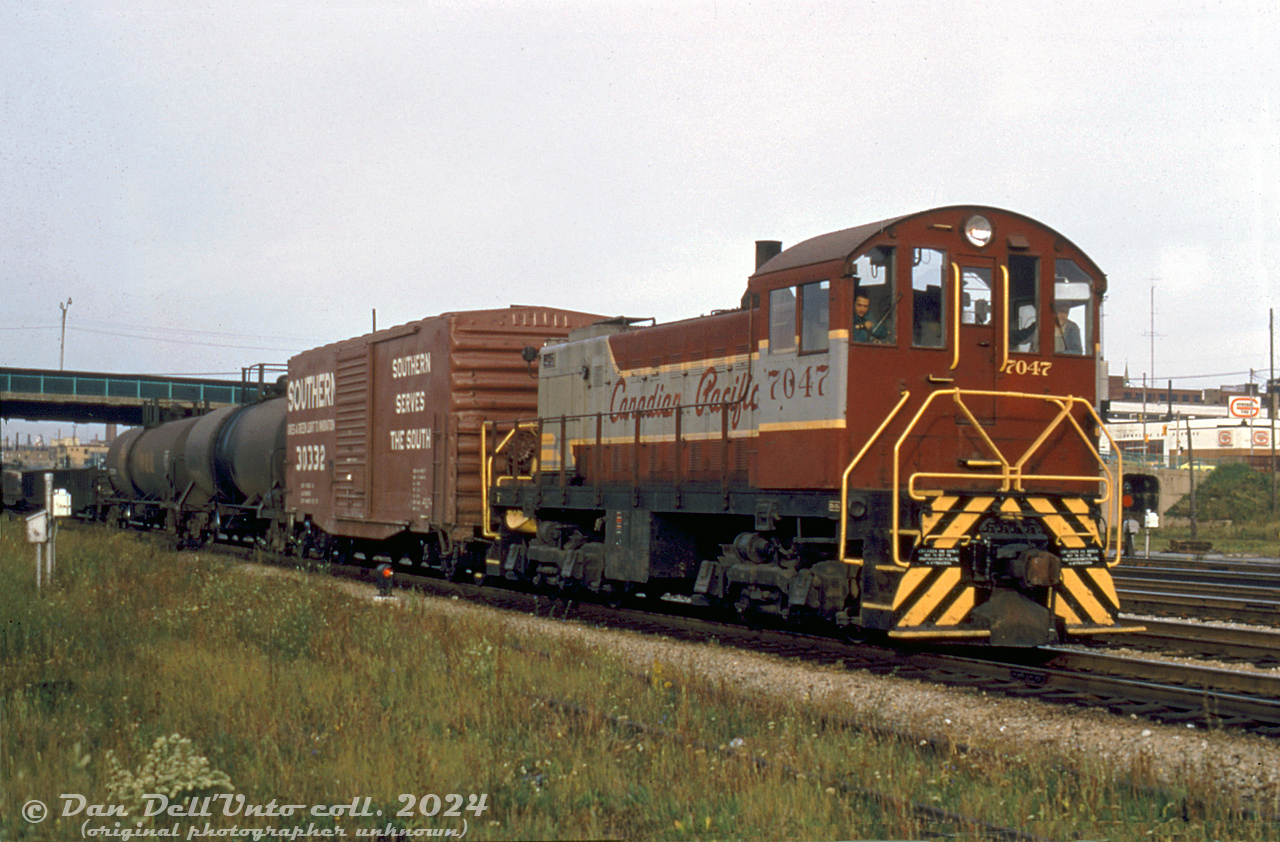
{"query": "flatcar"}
(894, 430)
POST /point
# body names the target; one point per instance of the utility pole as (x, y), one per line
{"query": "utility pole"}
(1144, 418)
(62, 348)
(1191, 474)
(1271, 388)
(1146, 445)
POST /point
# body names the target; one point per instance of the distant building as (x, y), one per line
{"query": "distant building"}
(1130, 401)
(67, 452)
(1212, 441)
(1175, 425)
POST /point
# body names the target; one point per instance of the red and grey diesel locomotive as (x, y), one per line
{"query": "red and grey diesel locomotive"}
(895, 431)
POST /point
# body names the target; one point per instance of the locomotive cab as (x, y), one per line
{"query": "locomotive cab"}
(970, 344)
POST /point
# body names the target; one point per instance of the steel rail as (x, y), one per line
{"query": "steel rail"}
(1261, 579)
(1255, 645)
(1165, 604)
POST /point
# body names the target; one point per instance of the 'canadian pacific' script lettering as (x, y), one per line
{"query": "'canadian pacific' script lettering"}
(716, 387)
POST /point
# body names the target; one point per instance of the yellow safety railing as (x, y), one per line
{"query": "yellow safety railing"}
(1009, 474)
(486, 471)
(1004, 318)
(955, 317)
(844, 480)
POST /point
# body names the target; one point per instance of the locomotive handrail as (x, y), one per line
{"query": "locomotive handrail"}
(1011, 475)
(1004, 317)
(844, 479)
(486, 470)
(955, 317)
(487, 459)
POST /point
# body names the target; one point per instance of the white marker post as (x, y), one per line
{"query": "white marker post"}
(38, 534)
(42, 529)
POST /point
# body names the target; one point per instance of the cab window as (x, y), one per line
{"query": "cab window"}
(928, 304)
(782, 320)
(1072, 312)
(1024, 303)
(815, 316)
(874, 303)
(975, 296)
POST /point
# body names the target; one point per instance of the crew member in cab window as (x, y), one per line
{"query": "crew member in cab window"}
(1072, 301)
(1066, 333)
(866, 328)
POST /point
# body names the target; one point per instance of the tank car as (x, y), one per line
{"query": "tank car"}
(147, 472)
(894, 431)
(222, 472)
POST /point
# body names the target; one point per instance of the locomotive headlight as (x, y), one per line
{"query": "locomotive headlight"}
(977, 230)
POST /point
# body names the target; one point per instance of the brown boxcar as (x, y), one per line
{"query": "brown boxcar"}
(383, 430)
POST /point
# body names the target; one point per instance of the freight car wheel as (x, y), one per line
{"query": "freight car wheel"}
(341, 551)
(406, 552)
(277, 538)
(450, 563)
(193, 531)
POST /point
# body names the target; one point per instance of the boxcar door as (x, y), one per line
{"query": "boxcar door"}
(352, 433)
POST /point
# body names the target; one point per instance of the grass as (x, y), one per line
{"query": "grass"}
(1233, 510)
(1250, 539)
(297, 691)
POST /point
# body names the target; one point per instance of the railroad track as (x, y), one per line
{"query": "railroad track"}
(1172, 692)
(1257, 646)
(1256, 583)
(1155, 599)
(1208, 589)
(1229, 565)
(1203, 697)
(1199, 696)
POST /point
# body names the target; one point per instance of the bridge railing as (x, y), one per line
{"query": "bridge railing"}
(138, 388)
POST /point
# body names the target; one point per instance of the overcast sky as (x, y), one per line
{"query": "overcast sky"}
(216, 187)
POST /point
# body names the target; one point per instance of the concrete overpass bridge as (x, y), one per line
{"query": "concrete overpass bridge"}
(85, 397)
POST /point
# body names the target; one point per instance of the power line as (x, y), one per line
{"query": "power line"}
(1245, 373)
(184, 330)
(182, 341)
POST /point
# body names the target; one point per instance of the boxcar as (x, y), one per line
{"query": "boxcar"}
(383, 430)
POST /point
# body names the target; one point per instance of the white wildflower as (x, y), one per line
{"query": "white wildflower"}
(170, 768)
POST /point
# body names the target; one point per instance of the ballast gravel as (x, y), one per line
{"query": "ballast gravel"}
(1245, 767)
